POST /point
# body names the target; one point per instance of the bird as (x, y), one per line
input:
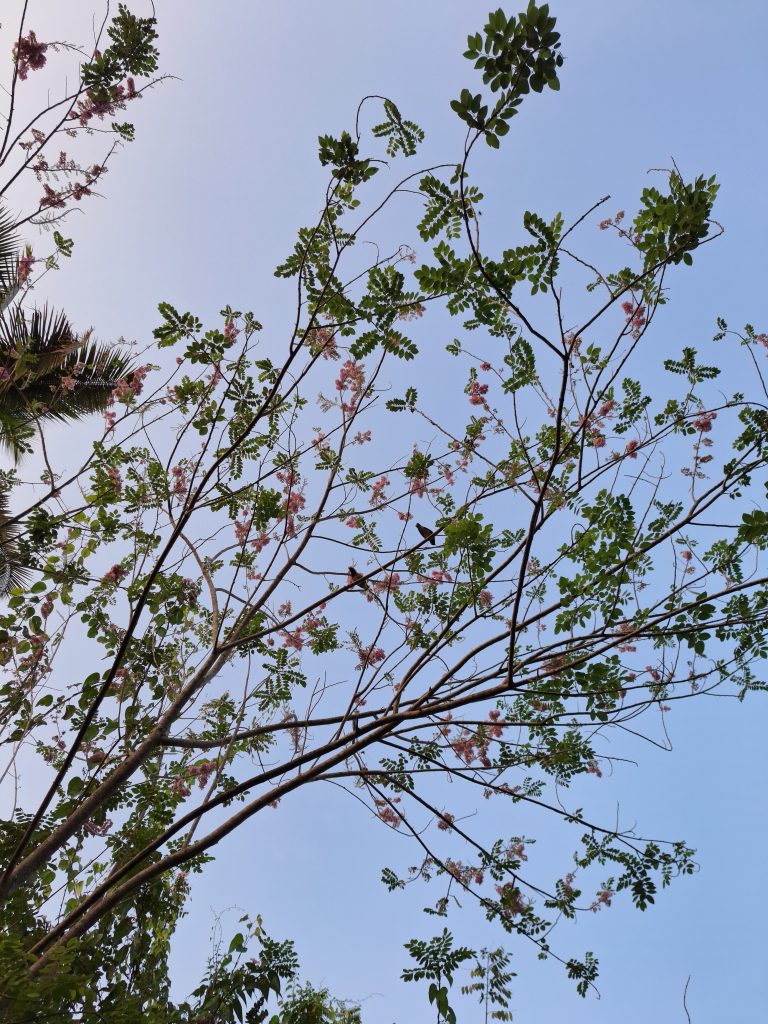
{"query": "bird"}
(354, 577)
(426, 533)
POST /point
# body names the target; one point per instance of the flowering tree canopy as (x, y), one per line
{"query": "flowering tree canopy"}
(281, 564)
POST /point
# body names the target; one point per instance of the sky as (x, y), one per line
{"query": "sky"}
(200, 209)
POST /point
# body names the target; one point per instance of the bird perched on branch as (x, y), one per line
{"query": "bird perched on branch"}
(356, 578)
(426, 533)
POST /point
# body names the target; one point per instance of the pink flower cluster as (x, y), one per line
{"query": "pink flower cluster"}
(386, 813)
(125, 391)
(392, 582)
(179, 481)
(464, 874)
(412, 312)
(230, 332)
(512, 901)
(636, 317)
(88, 107)
(378, 497)
(352, 378)
(474, 746)
(24, 268)
(369, 656)
(322, 342)
(294, 500)
(435, 577)
(703, 422)
(294, 639)
(477, 393)
(29, 55)
(115, 574)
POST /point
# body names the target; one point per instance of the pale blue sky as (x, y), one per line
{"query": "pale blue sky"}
(199, 211)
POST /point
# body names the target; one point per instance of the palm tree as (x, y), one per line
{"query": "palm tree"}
(47, 372)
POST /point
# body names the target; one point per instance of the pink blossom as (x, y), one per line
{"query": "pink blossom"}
(322, 342)
(378, 497)
(412, 312)
(636, 317)
(606, 408)
(29, 55)
(179, 481)
(24, 268)
(354, 522)
(351, 377)
(242, 530)
(369, 656)
(51, 198)
(476, 393)
(260, 542)
(115, 574)
(179, 787)
(631, 449)
(703, 422)
(230, 332)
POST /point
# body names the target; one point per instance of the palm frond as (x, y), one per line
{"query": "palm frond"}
(48, 367)
(12, 572)
(9, 259)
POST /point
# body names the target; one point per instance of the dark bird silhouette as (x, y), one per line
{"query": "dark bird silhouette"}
(353, 576)
(426, 533)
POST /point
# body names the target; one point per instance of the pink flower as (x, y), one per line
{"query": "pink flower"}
(230, 332)
(606, 408)
(476, 393)
(412, 312)
(242, 529)
(704, 421)
(115, 574)
(351, 377)
(631, 449)
(260, 542)
(636, 317)
(368, 656)
(378, 497)
(29, 55)
(322, 342)
(179, 481)
(51, 198)
(24, 268)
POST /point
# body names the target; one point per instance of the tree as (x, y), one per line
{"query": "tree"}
(47, 371)
(573, 550)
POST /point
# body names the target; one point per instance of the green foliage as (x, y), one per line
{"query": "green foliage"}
(401, 135)
(517, 56)
(669, 228)
(308, 1005)
(342, 155)
(131, 52)
(437, 961)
